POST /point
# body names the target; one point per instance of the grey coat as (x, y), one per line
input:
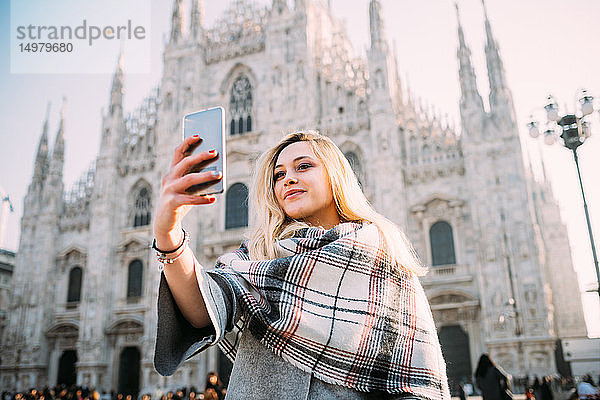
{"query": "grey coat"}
(258, 373)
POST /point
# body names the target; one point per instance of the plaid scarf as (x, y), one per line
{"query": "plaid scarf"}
(332, 305)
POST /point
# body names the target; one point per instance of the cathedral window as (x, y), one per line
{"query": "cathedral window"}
(349, 102)
(277, 76)
(362, 107)
(187, 96)
(378, 79)
(289, 53)
(402, 142)
(356, 166)
(134, 279)
(240, 106)
(442, 244)
(142, 207)
(438, 154)
(426, 154)
(74, 289)
(414, 149)
(300, 71)
(236, 206)
(168, 100)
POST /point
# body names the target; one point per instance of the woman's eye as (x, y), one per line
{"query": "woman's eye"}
(304, 166)
(278, 175)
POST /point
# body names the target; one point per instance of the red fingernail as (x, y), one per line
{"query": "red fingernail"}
(196, 136)
(212, 199)
(213, 151)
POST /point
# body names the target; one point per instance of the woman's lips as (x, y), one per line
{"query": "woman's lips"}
(294, 194)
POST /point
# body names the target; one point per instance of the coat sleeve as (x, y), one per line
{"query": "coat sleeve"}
(176, 339)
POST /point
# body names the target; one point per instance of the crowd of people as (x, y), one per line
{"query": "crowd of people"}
(214, 389)
(60, 392)
(491, 382)
(495, 384)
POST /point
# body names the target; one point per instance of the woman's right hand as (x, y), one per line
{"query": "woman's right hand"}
(174, 203)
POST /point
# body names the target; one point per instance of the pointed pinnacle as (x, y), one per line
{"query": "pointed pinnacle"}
(121, 51)
(48, 110)
(62, 109)
(488, 26)
(47, 119)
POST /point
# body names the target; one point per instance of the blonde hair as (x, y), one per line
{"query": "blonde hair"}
(273, 224)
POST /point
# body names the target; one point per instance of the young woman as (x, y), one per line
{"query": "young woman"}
(323, 300)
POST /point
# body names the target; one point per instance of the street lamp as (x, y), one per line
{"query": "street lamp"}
(575, 130)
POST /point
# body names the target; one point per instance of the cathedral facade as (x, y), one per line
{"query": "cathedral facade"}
(85, 284)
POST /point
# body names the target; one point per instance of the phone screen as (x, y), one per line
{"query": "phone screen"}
(209, 124)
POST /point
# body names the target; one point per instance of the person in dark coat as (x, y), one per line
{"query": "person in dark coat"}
(546, 389)
(491, 380)
(537, 389)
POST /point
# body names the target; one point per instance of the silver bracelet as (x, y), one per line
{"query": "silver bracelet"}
(162, 257)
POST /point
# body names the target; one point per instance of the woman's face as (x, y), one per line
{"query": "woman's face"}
(302, 186)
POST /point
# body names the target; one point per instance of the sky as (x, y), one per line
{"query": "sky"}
(543, 52)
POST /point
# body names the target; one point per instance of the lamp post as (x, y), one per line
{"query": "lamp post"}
(575, 130)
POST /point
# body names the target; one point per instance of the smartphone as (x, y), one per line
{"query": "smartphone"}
(210, 125)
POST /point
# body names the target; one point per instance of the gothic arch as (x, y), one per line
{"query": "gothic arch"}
(433, 208)
(355, 157)
(72, 250)
(125, 325)
(441, 243)
(140, 204)
(411, 126)
(238, 90)
(453, 306)
(235, 71)
(62, 339)
(68, 328)
(454, 296)
(236, 206)
(357, 166)
(430, 200)
(133, 244)
(72, 255)
(414, 144)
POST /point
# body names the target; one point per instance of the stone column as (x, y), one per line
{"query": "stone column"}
(111, 375)
(53, 363)
(94, 377)
(213, 358)
(145, 377)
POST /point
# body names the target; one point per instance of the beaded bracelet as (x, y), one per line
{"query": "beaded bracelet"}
(162, 255)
